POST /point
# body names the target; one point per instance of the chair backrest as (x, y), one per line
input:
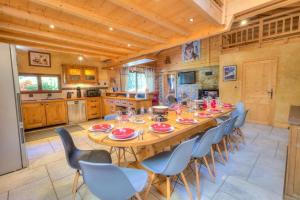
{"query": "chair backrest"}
(241, 120)
(229, 125)
(180, 158)
(110, 117)
(68, 143)
(106, 181)
(239, 109)
(203, 144)
(171, 99)
(219, 132)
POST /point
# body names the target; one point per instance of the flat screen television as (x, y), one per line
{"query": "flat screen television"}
(187, 77)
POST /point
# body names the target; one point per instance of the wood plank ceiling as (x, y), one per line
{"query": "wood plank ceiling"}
(108, 29)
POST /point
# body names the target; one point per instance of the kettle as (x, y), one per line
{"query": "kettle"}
(69, 95)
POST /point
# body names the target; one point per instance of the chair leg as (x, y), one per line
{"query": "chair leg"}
(225, 147)
(133, 154)
(124, 156)
(168, 188)
(212, 153)
(208, 168)
(220, 153)
(242, 135)
(110, 150)
(230, 143)
(75, 184)
(186, 186)
(119, 156)
(137, 195)
(197, 179)
(149, 186)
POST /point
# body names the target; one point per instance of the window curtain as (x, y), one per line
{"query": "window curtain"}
(150, 79)
(124, 78)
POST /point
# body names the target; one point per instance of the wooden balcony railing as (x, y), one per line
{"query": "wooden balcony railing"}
(263, 30)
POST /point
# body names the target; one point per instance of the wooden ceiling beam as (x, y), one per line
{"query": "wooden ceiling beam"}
(32, 46)
(206, 32)
(97, 18)
(13, 12)
(139, 10)
(208, 9)
(52, 44)
(62, 38)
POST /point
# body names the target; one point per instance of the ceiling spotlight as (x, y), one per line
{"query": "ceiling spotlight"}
(244, 22)
(111, 68)
(111, 28)
(129, 45)
(80, 58)
(51, 26)
(191, 19)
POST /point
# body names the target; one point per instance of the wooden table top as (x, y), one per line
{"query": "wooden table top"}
(150, 137)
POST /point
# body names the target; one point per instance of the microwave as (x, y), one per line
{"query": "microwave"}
(93, 93)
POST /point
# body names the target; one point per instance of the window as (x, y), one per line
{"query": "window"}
(138, 80)
(30, 83)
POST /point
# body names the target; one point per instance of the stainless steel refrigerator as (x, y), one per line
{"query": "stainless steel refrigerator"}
(12, 142)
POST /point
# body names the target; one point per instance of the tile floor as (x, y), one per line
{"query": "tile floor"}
(256, 172)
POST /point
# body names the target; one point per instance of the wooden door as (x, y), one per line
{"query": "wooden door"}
(259, 79)
(90, 74)
(73, 74)
(33, 115)
(55, 113)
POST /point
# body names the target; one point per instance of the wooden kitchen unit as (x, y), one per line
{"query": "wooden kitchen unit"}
(37, 114)
(93, 107)
(111, 103)
(80, 74)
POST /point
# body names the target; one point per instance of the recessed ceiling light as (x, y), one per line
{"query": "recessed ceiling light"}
(80, 58)
(244, 22)
(112, 68)
(191, 19)
(129, 45)
(111, 28)
(51, 26)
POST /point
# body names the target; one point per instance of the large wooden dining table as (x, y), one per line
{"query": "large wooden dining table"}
(151, 143)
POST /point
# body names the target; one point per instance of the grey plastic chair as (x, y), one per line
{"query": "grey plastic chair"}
(171, 163)
(239, 123)
(219, 135)
(109, 182)
(73, 155)
(239, 110)
(228, 131)
(110, 117)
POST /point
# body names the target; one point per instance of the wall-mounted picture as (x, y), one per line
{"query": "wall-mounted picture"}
(230, 73)
(191, 51)
(39, 59)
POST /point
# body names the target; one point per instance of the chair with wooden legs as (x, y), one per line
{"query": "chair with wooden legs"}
(239, 123)
(219, 133)
(73, 155)
(228, 132)
(169, 164)
(109, 182)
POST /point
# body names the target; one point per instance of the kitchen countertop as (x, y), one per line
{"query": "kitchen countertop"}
(126, 98)
(53, 100)
(294, 116)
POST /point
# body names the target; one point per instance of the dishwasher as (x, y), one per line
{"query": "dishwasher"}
(76, 111)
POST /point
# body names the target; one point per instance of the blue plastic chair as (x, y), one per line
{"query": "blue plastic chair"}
(110, 117)
(228, 131)
(171, 163)
(109, 182)
(239, 123)
(203, 146)
(219, 136)
(239, 111)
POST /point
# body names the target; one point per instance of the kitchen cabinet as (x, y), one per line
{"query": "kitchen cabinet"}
(93, 107)
(80, 74)
(41, 114)
(55, 113)
(33, 115)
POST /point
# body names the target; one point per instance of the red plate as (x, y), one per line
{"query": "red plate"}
(215, 111)
(186, 121)
(123, 133)
(162, 127)
(204, 115)
(101, 127)
(227, 105)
